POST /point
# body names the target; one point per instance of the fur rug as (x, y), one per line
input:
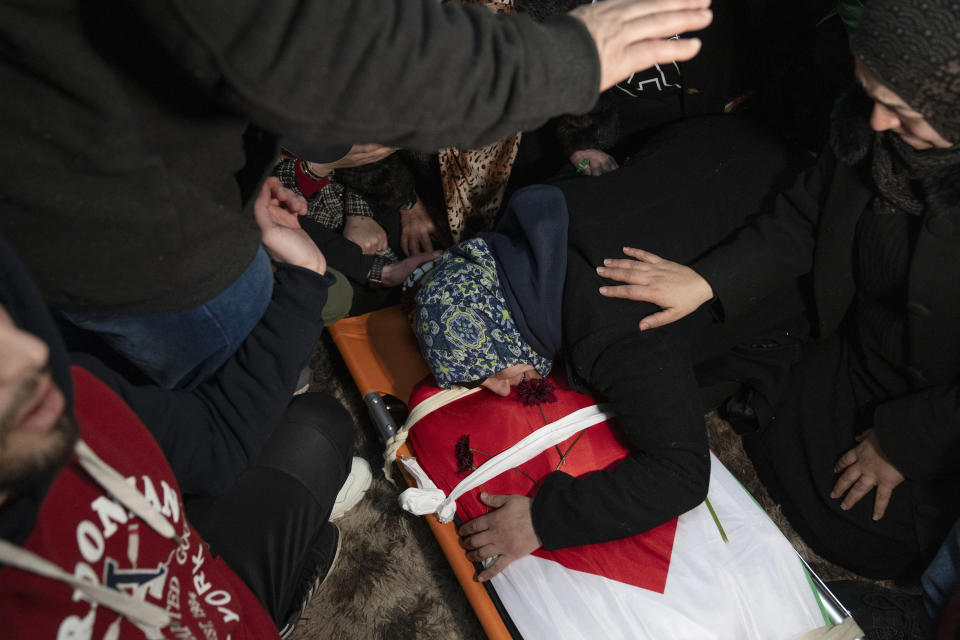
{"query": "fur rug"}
(392, 582)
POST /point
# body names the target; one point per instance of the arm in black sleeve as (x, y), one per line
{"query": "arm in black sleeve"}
(920, 432)
(412, 73)
(650, 387)
(343, 255)
(775, 248)
(647, 378)
(211, 434)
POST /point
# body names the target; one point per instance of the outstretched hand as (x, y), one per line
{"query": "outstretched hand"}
(863, 468)
(506, 533)
(629, 34)
(394, 274)
(275, 210)
(677, 289)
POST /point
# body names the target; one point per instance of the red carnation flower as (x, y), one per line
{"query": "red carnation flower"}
(464, 454)
(536, 391)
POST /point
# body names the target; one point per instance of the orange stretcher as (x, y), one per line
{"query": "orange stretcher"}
(382, 355)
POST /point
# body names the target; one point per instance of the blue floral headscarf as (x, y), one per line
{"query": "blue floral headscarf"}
(462, 322)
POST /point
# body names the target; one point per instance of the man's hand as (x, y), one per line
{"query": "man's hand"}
(505, 533)
(595, 162)
(394, 274)
(675, 288)
(416, 225)
(629, 34)
(865, 467)
(366, 232)
(275, 210)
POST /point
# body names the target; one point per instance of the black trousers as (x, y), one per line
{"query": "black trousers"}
(268, 525)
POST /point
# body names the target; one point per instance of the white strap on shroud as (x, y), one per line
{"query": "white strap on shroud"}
(427, 498)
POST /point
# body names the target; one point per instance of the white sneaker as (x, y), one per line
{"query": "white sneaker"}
(325, 560)
(353, 490)
(303, 380)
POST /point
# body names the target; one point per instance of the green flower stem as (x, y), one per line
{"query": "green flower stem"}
(716, 520)
(563, 456)
(483, 453)
(529, 477)
(545, 422)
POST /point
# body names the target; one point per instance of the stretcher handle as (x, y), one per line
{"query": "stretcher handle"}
(380, 416)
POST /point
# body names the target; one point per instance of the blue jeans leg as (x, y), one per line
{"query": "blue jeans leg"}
(181, 349)
(940, 580)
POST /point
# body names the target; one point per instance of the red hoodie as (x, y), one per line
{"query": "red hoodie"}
(84, 531)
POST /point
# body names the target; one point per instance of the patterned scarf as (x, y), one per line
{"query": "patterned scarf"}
(462, 322)
(903, 174)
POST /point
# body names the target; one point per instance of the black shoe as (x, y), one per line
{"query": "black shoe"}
(884, 614)
(325, 553)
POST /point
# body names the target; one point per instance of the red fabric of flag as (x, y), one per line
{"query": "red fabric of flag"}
(492, 424)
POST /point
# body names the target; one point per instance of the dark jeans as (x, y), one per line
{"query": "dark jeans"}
(940, 580)
(181, 349)
(266, 527)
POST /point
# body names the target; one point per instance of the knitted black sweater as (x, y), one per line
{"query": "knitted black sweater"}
(121, 125)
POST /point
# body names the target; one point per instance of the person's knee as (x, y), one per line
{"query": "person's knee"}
(326, 415)
(339, 298)
(313, 442)
(335, 421)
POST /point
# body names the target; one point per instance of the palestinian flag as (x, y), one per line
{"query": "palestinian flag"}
(725, 574)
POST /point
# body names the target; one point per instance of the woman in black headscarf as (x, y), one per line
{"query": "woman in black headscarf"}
(859, 443)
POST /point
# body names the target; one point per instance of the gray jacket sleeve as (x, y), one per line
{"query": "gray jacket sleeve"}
(412, 73)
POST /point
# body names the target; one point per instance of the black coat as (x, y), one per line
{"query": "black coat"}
(813, 229)
(666, 200)
(211, 434)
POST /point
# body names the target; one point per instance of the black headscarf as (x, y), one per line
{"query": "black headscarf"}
(23, 302)
(914, 48)
(21, 299)
(530, 246)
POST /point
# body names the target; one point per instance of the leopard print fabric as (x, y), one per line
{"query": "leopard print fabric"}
(474, 180)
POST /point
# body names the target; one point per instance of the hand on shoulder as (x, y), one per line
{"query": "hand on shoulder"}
(677, 289)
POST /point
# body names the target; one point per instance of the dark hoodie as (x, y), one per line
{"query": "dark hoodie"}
(109, 525)
(209, 435)
(20, 298)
